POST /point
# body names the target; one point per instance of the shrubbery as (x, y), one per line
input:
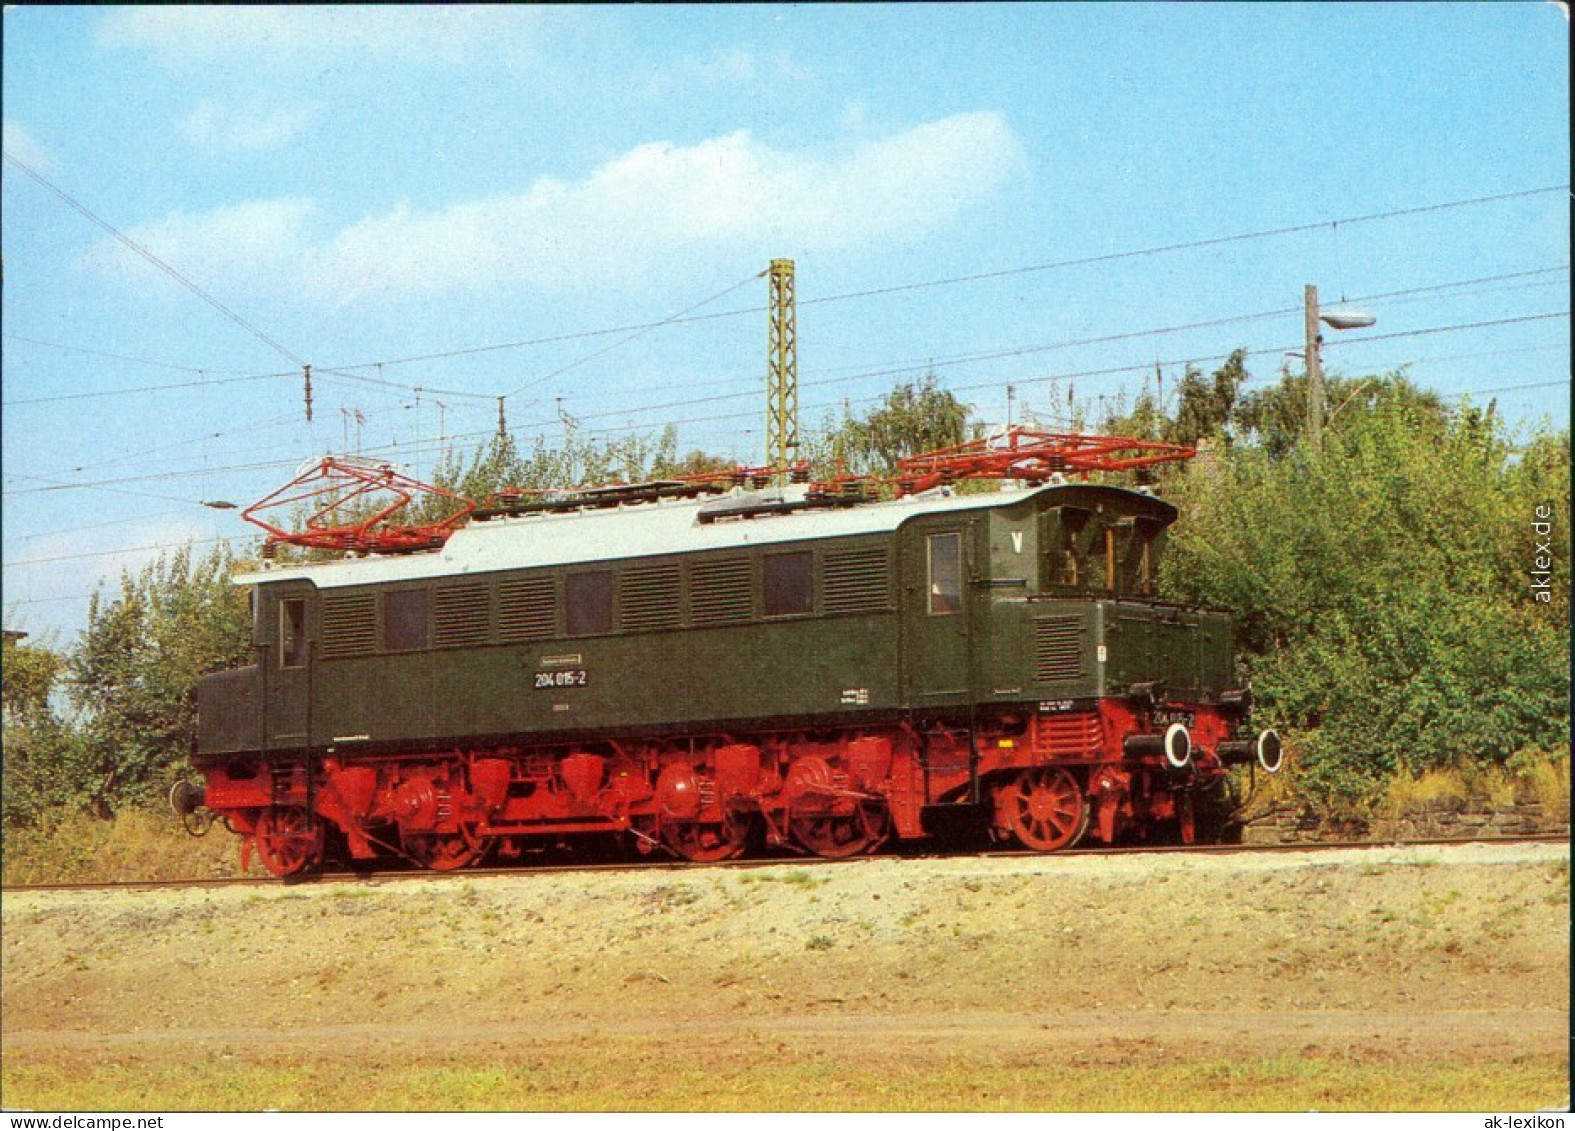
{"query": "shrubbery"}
(1384, 589)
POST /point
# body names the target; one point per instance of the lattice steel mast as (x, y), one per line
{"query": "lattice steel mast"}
(782, 372)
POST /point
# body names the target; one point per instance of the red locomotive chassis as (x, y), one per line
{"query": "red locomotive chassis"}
(1047, 779)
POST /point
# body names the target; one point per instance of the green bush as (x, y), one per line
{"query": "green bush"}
(1383, 590)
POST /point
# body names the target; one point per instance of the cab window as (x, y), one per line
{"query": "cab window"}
(292, 632)
(945, 588)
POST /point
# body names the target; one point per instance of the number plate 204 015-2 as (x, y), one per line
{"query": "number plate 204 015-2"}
(568, 677)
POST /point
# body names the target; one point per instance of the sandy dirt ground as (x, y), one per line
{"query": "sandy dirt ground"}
(1008, 982)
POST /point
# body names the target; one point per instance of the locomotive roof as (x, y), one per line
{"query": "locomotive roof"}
(653, 529)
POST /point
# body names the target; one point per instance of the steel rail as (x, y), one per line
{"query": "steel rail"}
(797, 860)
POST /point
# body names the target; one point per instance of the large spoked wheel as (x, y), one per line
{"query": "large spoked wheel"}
(444, 852)
(1044, 808)
(705, 842)
(289, 840)
(835, 837)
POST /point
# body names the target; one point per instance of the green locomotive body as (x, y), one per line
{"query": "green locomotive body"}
(691, 670)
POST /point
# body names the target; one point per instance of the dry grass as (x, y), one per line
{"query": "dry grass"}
(1432, 792)
(74, 847)
(1545, 781)
(1533, 777)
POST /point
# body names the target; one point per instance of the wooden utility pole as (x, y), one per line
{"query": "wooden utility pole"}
(1314, 372)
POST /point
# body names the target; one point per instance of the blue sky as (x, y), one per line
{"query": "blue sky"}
(357, 187)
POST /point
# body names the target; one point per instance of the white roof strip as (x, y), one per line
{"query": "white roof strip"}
(617, 533)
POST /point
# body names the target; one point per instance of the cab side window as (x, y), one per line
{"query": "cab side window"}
(945, 581)
(292, 632)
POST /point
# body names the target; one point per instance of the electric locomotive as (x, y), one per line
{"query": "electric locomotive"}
(696, 669)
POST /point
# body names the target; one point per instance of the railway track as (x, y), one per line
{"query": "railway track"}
(391, 876)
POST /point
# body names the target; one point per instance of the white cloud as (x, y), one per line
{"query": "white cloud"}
(415, 33)
(21, 145)
(266, 237)
(255, 126)
(725, 197)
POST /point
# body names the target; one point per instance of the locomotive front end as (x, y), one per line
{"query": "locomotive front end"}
(1137, 714)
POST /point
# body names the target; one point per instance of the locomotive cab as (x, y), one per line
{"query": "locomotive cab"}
(1128, 703)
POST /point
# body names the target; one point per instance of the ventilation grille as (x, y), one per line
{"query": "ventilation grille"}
(648, 598)
(462, 615)
(1075, 735)
(527, 609)
(719, 592)
(1058, 648)
(349, 625)
(857, 581)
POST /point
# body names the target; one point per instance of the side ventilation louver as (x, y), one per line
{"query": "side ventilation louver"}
(648, 598)
(461, 615)
(1058, 648)
(857, 581)
(719, 592)
(527, 610)
(349, 625)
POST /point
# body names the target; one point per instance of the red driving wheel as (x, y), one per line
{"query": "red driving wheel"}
(1044, 808)
(704, 842)
(289, 840)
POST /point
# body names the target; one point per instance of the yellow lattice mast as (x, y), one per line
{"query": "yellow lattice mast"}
(782, 372)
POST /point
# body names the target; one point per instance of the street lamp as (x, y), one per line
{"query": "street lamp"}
(1344, 319)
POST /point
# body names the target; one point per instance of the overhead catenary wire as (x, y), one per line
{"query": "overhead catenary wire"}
(861, 373)
(136, 248)
(897, 371)
(626, 340)
(118, 356)
(639, 329)
(56, 559)
(982, 276)
(113, 487)
(865, 373)
(1191, 245)
(141, 389)
(334, 373)
(998, 355)
(991, 356)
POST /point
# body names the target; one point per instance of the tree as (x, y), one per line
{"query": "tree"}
(41, 751)
(1146, 421)
(1204, 407)
(133, 673)
(913, 418)
(1276, 417)
(28, 675)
